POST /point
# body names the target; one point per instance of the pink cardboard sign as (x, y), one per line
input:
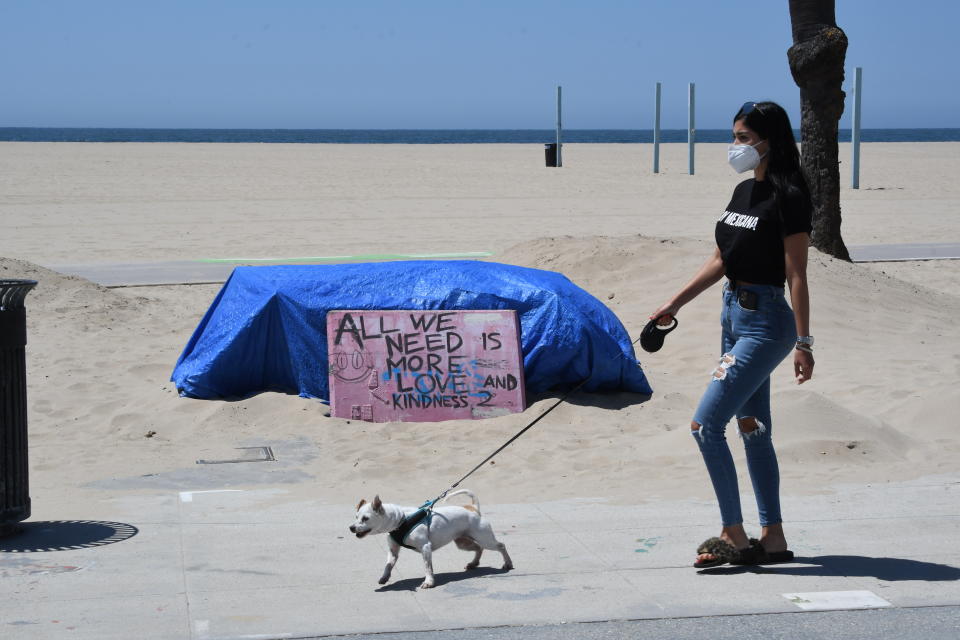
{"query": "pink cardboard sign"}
(424, 366)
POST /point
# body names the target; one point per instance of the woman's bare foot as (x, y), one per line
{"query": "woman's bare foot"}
(734, 535)
(772, 538)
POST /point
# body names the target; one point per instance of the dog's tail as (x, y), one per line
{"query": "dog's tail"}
(473, 497)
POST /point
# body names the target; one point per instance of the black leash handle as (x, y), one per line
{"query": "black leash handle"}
(429, 504)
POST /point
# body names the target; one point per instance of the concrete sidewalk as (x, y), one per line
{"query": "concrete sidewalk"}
(905, 252)
(140, 274)
(216, 271)
(209, 554)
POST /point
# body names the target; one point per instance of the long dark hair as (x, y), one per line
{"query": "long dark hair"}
(772, 124)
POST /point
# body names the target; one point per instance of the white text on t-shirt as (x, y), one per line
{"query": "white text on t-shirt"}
(739, 220)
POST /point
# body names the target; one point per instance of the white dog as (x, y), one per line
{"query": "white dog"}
(425, 530)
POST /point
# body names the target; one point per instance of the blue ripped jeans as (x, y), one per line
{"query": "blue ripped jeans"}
(754, 342)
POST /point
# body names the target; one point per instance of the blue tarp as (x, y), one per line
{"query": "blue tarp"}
(266, 329)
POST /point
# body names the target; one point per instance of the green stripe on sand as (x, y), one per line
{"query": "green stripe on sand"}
(370, 256)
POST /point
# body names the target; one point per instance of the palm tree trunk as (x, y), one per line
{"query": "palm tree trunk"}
(816, 62)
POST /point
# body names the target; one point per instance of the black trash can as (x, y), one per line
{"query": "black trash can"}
(550, 150)
(14, 471)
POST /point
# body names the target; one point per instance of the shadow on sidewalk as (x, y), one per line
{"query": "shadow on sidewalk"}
(889, 569)
(440, 579)
(61, 535)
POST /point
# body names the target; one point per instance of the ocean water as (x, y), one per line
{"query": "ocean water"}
(424, 136)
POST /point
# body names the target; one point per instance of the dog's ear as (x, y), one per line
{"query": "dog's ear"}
(377, 505)
(362, 502)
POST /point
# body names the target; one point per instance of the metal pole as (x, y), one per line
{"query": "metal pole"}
(14, 467)
(691, 131)
(656, 133)
(559, 128)
(855, 129)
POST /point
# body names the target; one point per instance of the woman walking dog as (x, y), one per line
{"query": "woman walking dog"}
(762, 238)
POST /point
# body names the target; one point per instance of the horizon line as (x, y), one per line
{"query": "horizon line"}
(154, 128)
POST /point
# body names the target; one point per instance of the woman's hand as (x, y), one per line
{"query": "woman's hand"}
(802, 365)
(666, 312)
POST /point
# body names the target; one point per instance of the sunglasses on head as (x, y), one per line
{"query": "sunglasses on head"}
(747, 108)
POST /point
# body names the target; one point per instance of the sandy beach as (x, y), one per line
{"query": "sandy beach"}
(882, 406)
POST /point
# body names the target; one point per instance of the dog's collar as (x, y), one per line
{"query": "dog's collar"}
(400, 534)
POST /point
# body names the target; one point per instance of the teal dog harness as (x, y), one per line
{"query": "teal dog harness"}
(399, 535)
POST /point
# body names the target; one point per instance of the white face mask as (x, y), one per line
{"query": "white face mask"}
(743, 157)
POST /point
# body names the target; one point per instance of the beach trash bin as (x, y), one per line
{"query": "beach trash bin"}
(14, 486)
(550, 150)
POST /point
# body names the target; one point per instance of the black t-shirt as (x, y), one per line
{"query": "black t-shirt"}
(750, 232)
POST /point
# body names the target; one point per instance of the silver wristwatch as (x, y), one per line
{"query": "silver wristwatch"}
(805, 340)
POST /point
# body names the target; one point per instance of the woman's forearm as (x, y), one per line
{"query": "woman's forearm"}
(795, 260)
(711, 271)
(800, 301)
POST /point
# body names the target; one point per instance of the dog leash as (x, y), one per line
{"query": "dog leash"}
(428, 505)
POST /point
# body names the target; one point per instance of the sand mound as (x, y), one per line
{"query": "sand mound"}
(59, 294)
(882, 396)
(882, 404)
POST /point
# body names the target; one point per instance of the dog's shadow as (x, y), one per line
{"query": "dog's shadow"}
(440, 579)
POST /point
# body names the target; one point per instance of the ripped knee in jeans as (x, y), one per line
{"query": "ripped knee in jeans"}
(727, 360)
(751, 427)
(695, 429)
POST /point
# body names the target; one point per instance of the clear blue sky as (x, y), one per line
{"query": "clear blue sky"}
(437, 64)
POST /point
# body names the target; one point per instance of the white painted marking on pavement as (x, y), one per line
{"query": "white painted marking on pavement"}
(187, 496)
(833, 600)
(202, 628)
